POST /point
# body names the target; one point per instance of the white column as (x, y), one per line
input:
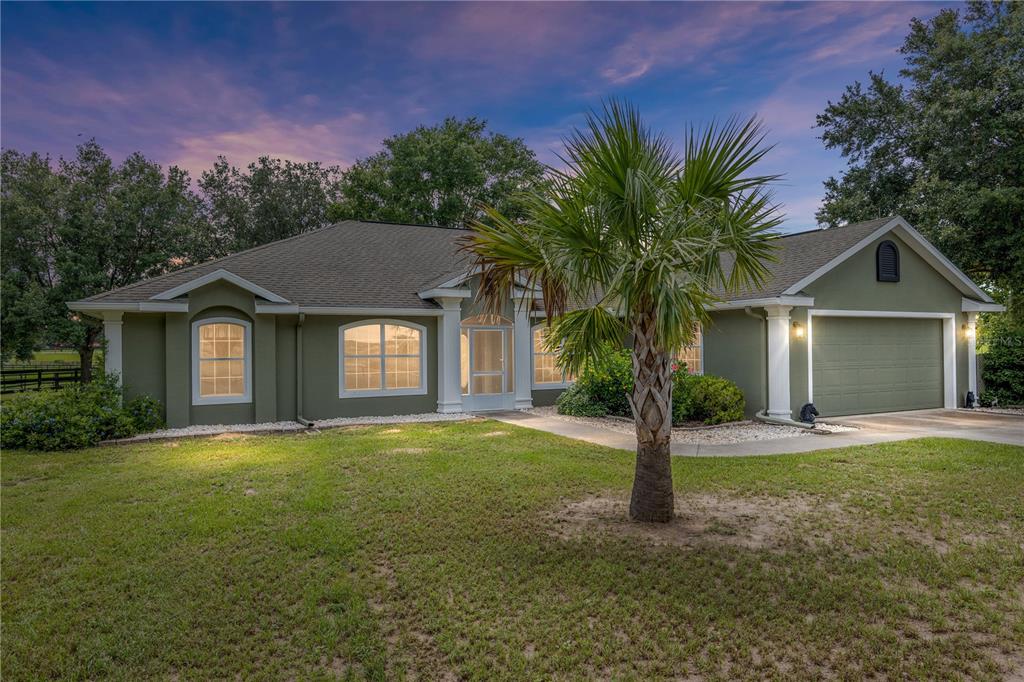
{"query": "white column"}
(522, 340)
(449, 359)
(112, 355)
(972, 353)
(778, 361)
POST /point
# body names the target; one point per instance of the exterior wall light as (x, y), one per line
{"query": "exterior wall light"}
(969, 331)
(798, 330)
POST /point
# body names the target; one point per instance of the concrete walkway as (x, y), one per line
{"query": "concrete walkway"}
(873, 429)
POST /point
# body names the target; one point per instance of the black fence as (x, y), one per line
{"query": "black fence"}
(38, 377)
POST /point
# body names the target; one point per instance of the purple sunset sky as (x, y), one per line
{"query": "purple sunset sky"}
(184, 82)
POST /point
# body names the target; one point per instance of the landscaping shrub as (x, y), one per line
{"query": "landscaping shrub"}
(601, 389)
(74, 417)
(145, 412)
(1002, 369)
(575, 401)
(705, 398)
(609, 382)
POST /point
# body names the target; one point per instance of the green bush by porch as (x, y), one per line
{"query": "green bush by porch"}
(601, 389)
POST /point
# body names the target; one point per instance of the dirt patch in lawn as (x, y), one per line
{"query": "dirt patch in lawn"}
(754, 522)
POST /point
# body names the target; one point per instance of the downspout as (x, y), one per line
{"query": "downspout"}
(760, 414)
(298, 373)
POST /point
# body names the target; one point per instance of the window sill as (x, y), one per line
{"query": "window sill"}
(224, 400)
(553, 387)
(377, 393)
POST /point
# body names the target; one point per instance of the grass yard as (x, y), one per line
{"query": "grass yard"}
(483, 551)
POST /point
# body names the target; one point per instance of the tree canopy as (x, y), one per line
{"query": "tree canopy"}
(439, 175)
(272, 199)
(82, 227)
(943, 147)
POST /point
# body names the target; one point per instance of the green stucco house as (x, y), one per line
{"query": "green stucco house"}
(364, 318)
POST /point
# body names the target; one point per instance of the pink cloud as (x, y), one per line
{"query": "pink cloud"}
(335, 141)
(183, 114)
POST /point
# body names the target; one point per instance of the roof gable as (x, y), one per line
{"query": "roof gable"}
(802, 258)
(218, 275)
(915, 240)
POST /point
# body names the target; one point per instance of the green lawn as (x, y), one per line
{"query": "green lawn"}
(484, 551)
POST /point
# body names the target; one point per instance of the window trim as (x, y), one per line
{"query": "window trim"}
(246, 396)
(553, 386)
(381, 392)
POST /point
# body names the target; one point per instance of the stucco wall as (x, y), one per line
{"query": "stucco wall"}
(734, 348)
(143, 339)
(320, 373)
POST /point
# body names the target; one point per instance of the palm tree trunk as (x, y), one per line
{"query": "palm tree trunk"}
(652, 498)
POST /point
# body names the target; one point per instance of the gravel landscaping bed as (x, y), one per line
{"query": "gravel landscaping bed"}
(1019, 411)
(289, 426)
(739, 432)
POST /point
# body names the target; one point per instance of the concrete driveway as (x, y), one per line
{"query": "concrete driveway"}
(876, 428)
(997, 428)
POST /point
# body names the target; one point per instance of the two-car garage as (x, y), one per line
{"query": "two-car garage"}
(862, 365)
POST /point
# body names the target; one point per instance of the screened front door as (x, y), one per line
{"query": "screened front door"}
(487, 367)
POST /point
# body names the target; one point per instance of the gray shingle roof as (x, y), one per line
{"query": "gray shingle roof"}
(801, 254)
(380, 265)
(350, 264)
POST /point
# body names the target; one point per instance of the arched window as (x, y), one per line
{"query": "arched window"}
(546, 373)
(887, 261)
(221, 361)
(382, 357)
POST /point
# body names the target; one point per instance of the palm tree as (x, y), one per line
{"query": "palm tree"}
(631, 240)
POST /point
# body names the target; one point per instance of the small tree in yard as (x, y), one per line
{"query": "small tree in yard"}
(630, 239)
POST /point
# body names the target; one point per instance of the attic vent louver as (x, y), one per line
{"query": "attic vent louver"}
(887, 260)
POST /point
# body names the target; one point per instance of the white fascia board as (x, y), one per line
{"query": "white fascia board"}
(443, 292)
(970, 306)
(917, 242)
(144, 307)
(792, 301)
(215, 276)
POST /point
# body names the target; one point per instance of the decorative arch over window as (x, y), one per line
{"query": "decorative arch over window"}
(887, 262)
(382, 358)
(221, 361)
(546, 372)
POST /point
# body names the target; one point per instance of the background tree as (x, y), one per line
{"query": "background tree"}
(439, 175)
(945, 148)
(81, 228)
(628, 240)
(273, 199)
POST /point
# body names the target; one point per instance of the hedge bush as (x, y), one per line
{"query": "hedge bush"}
(1002, 370)
(608, 382)
(74, 417)
(705, 398)
(602, 389)
(575, 401)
